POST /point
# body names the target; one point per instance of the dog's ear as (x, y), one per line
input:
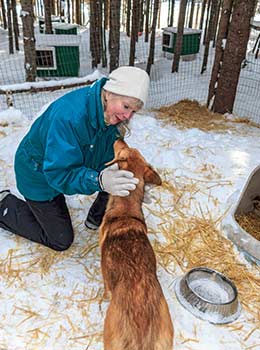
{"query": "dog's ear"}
(151, 176)
(116, 160)
(113, 161)
(119, 145)
(119, 157)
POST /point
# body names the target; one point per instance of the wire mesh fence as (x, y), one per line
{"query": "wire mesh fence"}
(66, 54)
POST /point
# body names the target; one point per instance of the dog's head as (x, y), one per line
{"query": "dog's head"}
(132, 160)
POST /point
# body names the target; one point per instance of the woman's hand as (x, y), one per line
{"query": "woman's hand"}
(117, 182)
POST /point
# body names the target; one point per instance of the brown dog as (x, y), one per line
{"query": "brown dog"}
(138, 317)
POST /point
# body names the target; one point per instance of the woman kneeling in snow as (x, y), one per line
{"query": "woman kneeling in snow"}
(65, 152)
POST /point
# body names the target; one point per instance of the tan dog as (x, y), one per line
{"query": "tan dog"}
(138, 317)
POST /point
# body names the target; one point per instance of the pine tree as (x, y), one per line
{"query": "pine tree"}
(28, 40)
(222, 34)
(179, 36)
(234, 54)
(114, 34)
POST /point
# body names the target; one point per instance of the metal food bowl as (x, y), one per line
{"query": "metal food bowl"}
(208, 295)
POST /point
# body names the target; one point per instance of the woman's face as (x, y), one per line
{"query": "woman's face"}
(119, 108)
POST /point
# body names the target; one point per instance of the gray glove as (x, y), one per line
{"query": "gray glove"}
(117, 182)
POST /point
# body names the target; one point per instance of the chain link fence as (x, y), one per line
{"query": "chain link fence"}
(66, 54)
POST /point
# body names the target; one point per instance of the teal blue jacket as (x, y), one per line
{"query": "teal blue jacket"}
(66, 147)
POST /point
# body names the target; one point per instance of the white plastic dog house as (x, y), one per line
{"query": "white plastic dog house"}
(243, 239)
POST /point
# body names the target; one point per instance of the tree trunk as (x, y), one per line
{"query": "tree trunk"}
(28, 40)
(179, 36)
(128, 17)
(147, 20)
(73, 10)
(202, 13)
(222, 34)
(137, 18)
(68, 10)
(215, 25)
(57, 7)
(103, 33)
(114, 34)
(191, 13)
(4, 14)
(209, 34)
(234, 54)
(141, 17)
(99, 25)
(209, 3)
(170, 24)
(10, 27)
(152, 39)
(53, 8)
(106, 14)
(95, 37)
(15, 25)
(47, 16)
(134, 32)
(92, 32)
(78, 14)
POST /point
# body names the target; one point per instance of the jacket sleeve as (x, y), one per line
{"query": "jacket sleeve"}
(63, 163)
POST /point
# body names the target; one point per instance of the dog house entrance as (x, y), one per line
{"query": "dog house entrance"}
(243, 228)
(166, 40)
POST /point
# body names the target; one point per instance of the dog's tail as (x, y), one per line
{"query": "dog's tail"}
(138, 317)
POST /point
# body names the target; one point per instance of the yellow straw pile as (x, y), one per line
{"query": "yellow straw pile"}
(191, 114)
(250, 222)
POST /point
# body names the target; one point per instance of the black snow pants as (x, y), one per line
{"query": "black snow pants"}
(46, 222)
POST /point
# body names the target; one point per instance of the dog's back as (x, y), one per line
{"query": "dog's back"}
(138, 317)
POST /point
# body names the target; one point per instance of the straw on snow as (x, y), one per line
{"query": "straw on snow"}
(189, 241)
(191, 114)
(192, 241)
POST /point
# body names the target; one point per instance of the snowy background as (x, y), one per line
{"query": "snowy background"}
(52, 300)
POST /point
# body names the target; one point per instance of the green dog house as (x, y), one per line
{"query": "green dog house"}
(190, 43)
(57, 55)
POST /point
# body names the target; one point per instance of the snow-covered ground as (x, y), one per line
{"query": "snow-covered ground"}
(53, 301)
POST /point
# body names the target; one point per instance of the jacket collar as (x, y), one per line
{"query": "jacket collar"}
(94, 104)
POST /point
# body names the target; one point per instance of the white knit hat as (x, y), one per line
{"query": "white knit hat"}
(129, 81)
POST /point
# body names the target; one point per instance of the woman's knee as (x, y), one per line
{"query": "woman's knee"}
(61, 247)
(62, 241)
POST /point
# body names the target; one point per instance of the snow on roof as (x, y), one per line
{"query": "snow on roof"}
(57, 40)
(186, 30)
